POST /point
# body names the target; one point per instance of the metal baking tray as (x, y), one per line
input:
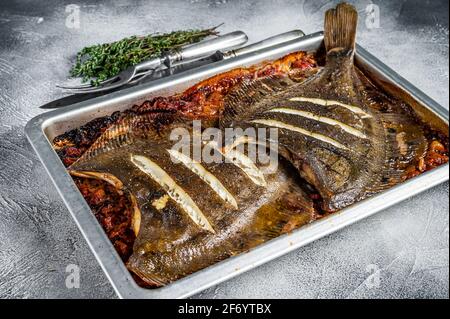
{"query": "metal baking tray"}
(43, 128)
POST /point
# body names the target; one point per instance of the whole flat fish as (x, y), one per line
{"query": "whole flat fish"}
(190, 214)
(339, 136)
(345, 137)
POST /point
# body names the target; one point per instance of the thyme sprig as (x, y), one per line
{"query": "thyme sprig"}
(100, 62)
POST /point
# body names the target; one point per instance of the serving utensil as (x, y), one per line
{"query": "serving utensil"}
(186, 53)
(171, 60)
(219, 55)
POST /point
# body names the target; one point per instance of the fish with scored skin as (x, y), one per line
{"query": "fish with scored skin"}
(193, 214)
(338, 130)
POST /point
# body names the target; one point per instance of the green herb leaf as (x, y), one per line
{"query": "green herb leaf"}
(100, 62)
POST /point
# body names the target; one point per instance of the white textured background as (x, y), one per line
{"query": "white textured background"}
(408, 244)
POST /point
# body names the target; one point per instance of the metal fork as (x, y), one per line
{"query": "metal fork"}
(220, 55)
(187, 53)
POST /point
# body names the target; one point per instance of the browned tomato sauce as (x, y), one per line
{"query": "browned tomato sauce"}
(113, 211)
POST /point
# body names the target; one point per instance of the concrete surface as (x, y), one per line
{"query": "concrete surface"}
(402, 252)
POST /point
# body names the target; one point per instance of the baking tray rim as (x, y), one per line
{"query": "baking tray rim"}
(107, 256)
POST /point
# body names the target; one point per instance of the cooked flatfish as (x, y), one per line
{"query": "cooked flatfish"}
(192, 213)
(345, 137)
(338, 136)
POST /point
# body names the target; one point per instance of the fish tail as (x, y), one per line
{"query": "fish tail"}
(340, 27)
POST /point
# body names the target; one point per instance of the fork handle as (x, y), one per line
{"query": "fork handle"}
(195, 51)
(206, 48)
(269, 42)
(149, 65)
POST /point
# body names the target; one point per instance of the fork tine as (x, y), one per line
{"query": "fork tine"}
(140, 76)
(87, 85)
(94, 89)
(123, 79)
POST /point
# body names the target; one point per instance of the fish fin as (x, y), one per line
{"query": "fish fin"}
(151, 280)
(238, 104)
(405, 144)
(126, 130)
(340, 27)
(106, 177)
